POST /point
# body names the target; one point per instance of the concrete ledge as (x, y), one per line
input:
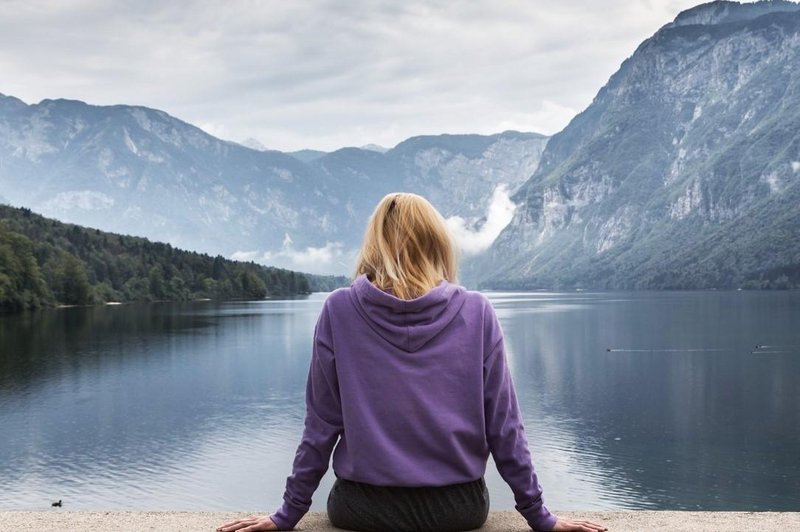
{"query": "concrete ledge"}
(507, 521)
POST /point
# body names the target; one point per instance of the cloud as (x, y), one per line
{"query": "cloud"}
(216, 130)
(328, 74)
(87, 200)
(543, 119)
(246, 256)
(326, 259)
(310, 256)
(498, 215)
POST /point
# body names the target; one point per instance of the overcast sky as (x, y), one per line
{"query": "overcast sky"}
(326, 74)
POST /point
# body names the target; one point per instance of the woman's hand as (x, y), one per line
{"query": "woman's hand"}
(565, 525)
(251, 524)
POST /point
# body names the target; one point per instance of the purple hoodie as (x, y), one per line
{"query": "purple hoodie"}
(416, 392)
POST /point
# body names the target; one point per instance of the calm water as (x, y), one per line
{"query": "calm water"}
(200, 406)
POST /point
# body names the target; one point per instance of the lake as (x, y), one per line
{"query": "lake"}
(631, 400)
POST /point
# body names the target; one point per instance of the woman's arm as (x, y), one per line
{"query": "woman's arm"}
(323, 425)
(506, 437)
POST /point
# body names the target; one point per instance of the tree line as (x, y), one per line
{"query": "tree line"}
(44, 262)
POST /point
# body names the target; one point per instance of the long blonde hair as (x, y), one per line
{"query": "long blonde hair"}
(407, 247)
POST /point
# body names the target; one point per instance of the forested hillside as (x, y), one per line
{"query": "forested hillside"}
(45, 262)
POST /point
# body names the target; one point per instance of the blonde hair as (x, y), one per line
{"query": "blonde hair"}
(407, 247)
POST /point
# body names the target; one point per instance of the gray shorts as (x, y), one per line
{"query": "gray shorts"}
(368, 508)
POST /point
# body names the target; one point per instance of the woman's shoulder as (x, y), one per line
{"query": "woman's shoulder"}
(477, 298)
(338, 297)
(342, 296)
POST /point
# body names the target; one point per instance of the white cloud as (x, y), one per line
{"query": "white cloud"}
(87, 200)
(216, 130)
(796, 166)
(328, 74)
(548, 118)
(246, 256)
(498, 215)
(308, 257)
(325, 259)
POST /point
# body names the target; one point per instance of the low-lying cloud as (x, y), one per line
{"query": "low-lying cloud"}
(324, 260)
(498, 215)
(87, 200)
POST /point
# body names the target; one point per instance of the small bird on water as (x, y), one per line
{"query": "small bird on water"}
(57, 503)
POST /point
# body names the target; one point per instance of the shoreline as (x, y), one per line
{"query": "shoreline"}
(506, 520)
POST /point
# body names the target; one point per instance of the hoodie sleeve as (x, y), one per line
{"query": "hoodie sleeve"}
(505, 432)
(323, 425)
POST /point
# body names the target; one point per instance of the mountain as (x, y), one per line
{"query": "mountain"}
(459, 172)
(306, 155)
(684, 172)
(135, 170)
(374, 147)
(253, 144)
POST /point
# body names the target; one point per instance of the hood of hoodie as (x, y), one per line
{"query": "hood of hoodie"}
(407, 323)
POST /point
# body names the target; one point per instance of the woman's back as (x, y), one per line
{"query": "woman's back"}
(419, 393)
(411, 384)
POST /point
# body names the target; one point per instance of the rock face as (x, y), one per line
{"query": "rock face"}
(141, 171)
(683, 172)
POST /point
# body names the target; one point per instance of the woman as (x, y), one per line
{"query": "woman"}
(408, 373)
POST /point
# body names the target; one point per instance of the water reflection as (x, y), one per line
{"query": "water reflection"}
(199, 405)
(673, 429)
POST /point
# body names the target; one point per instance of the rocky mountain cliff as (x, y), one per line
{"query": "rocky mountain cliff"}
(140, 171)
(683, 172)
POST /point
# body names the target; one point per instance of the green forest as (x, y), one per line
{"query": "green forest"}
(44, 262)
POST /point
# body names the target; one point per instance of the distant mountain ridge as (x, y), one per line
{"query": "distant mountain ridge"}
(683, 172)
(135, 170)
